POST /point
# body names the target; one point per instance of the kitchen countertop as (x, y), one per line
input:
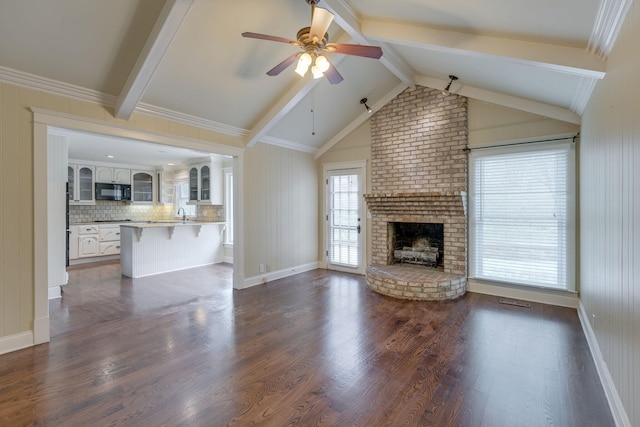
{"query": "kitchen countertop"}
(156, 224)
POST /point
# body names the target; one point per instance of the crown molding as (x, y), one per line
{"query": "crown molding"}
(279, 142)
(164, 113)
(583, 93)
(609, 20)
(31, 81)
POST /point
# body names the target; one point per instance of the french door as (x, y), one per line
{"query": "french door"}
(344, 219)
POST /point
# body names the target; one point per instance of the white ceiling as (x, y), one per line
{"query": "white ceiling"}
(186, 59)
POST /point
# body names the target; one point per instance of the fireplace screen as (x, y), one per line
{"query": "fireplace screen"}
(416, 243)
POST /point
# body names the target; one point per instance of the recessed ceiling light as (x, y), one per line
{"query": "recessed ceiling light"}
(109, 156)
(169, 164)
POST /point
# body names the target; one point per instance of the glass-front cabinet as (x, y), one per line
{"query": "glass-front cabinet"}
(142, 187)
(193, 185)
(205, 184)
(81, 179)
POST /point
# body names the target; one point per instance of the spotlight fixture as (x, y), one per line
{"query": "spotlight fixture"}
(363, 101)
(445, 91)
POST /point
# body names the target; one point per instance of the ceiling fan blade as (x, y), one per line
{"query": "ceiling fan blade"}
(268, 37)
(355, 49)
(333, 75)
(320, 22)
(283, 65)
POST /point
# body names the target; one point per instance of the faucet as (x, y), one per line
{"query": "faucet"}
(184, 215)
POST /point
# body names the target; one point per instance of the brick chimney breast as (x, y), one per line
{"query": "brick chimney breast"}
(419, 174)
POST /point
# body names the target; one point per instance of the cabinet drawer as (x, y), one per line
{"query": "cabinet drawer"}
(87, 229)
(109, 248)
(110, 234)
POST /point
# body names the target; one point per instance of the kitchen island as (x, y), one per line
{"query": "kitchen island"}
(162, 246)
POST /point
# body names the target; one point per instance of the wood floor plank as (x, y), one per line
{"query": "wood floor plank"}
(315, 349)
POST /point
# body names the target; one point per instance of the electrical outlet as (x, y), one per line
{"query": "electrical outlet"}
(261, 268)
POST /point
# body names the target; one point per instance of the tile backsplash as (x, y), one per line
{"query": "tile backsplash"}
(105, 210)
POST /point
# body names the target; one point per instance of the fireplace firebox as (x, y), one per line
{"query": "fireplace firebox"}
(416, 243)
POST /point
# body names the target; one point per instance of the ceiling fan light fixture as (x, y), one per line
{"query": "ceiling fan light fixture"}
(445, 91)
(303, 64)
(317, 72)
(322, 63)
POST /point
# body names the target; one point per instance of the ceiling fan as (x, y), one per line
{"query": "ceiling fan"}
(313, 41)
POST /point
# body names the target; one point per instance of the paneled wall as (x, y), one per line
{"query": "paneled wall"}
(610, 215)
(281, 209)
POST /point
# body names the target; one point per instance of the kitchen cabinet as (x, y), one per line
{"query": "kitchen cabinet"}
(205, 184)
(109, 240)
(142, 187)
(73, 242)
(81, 179)
(87, 241)
(113, 175)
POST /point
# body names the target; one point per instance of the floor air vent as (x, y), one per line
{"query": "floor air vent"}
(516, 303)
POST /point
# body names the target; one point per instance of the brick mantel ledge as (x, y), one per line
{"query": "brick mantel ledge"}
(418, 203)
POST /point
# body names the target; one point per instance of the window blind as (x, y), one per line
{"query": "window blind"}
(521, 215)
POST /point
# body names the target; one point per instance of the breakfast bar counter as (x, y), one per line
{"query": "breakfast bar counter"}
(162, 246)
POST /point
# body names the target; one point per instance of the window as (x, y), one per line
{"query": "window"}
(228, 205)
(521, 217)
(181, 183)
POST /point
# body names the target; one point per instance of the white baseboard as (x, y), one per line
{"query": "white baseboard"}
(16, 342)
(281, 274)
(544, 296)
(613, 398)
(228, 259)
(55, 292)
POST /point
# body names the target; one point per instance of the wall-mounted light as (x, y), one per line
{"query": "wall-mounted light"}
(445, 91)
(363, 101)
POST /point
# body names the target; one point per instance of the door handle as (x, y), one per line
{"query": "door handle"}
(358, 229)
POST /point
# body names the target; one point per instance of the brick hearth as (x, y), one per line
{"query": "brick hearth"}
(415, 283)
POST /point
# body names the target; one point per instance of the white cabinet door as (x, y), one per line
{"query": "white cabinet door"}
(104, 174)
(122, 176)
(73, 242)
(113, 175)
(142, 187)
(81, 184)
(87, 245)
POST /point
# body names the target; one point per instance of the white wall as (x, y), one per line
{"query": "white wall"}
(280, 211)
(610, 215)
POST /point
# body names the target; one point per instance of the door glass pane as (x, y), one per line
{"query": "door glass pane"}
(85, 184)
(70, 180)
(204, 183)
(142, 187)
(193, 184)
(344, 220)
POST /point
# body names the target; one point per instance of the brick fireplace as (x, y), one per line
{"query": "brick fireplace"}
(419, 176)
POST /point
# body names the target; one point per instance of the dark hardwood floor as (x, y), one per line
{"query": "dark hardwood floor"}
(316, 349)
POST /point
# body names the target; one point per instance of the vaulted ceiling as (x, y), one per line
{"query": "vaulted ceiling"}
(186, 59)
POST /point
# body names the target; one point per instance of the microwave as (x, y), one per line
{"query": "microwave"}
(106, 191)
